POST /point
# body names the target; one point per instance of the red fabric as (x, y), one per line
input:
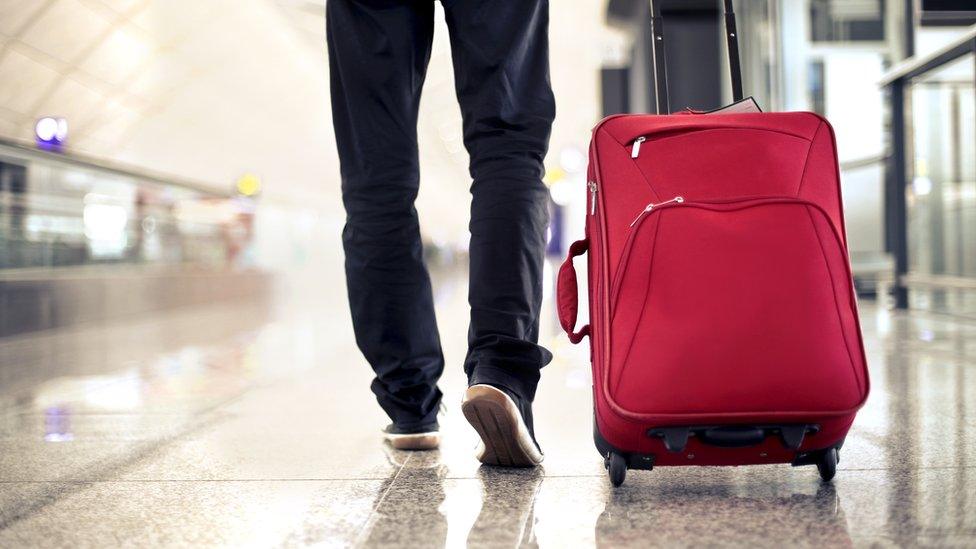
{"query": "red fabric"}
(567, 292)
(735, 305)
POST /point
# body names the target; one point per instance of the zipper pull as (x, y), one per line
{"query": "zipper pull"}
(637, 145)
(592, 186)
(675, 200)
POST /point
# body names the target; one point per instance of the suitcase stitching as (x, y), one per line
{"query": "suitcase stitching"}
(640, 317)
(647, 180)
(714, 126)
(624, 261)
(806, 161)
(833, 287)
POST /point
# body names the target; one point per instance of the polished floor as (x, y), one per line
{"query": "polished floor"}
(252, 425)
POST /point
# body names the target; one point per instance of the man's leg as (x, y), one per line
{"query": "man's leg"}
(378, 54)
(501, 64)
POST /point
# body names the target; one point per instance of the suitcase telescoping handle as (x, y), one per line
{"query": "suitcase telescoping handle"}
(658, 55)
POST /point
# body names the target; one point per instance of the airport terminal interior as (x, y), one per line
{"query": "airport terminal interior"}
(177, 360)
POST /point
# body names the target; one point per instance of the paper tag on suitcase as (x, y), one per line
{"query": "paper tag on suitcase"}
(739, 107)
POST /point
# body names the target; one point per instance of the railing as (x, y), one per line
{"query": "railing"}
(865, 162)
(862, 183)
(66, 211)
(929, 174)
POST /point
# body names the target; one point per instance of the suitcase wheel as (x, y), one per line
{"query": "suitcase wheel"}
(617, 468)
(827, 464)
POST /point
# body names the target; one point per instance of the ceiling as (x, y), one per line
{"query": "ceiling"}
(207, 90)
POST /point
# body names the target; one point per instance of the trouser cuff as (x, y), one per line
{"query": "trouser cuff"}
(493, 375)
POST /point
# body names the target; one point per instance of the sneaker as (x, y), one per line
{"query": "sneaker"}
(503, 422)
(423, 437)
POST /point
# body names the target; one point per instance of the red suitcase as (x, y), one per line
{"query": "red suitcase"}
(723, 317)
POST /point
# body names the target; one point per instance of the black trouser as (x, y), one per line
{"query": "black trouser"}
(378, 54)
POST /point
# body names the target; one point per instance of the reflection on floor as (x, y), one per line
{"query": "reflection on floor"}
(249, 425)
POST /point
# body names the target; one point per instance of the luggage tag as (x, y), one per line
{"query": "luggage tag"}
(742, 106)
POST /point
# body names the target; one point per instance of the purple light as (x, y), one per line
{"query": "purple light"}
(51, 133)
(57, 424)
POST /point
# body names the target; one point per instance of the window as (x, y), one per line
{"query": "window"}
(847, 20)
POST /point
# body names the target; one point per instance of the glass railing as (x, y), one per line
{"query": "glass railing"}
(862, 182)
(61, 212)
(941, 202)
(931, 196)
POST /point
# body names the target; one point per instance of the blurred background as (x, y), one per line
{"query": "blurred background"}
(159, 153)
(177, 364)
(156, 153)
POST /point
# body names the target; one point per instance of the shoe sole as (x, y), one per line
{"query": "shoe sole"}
(505, 438)
(418, 441)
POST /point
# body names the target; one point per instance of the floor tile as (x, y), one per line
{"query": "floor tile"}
(189, 514)
(248, 426)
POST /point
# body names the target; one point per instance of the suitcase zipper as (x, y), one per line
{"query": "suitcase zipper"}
(637, 146)
(593, 188)
(714, 205)
(649, 207)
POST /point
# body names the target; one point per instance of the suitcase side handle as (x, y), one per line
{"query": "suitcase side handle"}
(567, 290)
(658, 56)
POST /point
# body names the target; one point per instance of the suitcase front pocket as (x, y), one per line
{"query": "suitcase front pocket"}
(733, 307)
(684, 162)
